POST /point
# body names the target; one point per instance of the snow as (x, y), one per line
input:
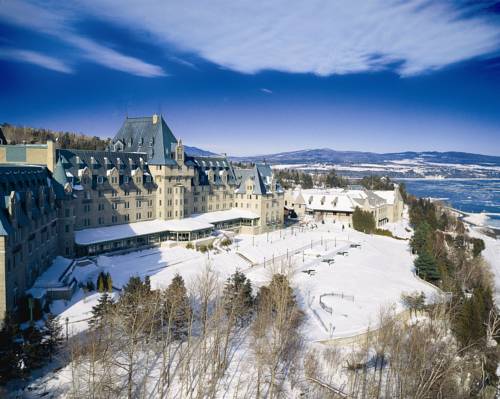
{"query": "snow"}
(194, 223)
(401, 229)
(388, 195)
(50, 277)
(375, 274)
(491, 252)
(478, 219)
(222, 216)
(118, 232)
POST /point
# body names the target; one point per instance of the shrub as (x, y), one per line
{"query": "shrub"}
(382, 232)
(189, 245)
(202, 248)
(477, 246)
(225, 242)
(363, 221)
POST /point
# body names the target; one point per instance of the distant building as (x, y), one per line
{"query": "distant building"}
(144, 190)
(339, 204)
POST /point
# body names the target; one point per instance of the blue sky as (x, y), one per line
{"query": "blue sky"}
(250, 78)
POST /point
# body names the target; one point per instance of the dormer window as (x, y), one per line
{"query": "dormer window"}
(126, 179)
(141, 141)
(100, 179)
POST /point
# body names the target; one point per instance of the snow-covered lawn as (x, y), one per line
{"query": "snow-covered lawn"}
(491, 252)
(371, 277)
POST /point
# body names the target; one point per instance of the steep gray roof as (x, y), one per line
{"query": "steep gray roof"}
(100, 162)
(60, 179)
(156, 140)
(242, 175)
(217, 164)
(21, 179)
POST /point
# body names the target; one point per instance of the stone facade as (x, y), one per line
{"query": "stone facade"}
(339, 204)
(145, 175)
(28, 230)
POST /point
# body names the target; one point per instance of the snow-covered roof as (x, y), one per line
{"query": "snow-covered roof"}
(329, 202)
(121, 231)
(344, 200)
(222, 216)
(50, 278)
(388, 196)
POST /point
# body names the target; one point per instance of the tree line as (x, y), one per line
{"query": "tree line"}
(29, 135)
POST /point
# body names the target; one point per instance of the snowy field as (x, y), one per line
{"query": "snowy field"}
(354, 287)
(491, 252)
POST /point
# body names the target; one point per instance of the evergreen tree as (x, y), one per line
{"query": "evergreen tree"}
(109, 282)
(477, 246)
(100, 282)
(279, 284)
(426, 266)
(333, 180)
(134, 290)
(363, 221)
(100, 310)
(33, 348)
(53, 335)
(375, 182)
(10, 351)
(177, 308)
(238, 298)
(422, 238)
(147, 284)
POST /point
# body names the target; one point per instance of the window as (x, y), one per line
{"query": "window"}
(138, 204)
(138, 215)
(100, 179)
(114, 180)
(66, 229)
(114, 193)
(114, 205)
(127, 204)
(126, 193)
(127, 218)
(125, 179)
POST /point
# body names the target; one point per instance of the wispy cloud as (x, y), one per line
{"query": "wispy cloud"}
(267, 91)
(317, 36)
(58, 24)
(112, 59)
(33, 57)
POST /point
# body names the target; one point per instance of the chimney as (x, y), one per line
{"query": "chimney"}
(155, 119)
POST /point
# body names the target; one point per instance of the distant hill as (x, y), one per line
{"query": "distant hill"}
(30, 135)
(327, 155)
(22, 134)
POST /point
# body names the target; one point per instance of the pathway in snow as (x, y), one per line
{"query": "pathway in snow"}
(375, 274)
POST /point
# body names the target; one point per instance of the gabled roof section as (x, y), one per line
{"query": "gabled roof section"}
(259, 187)
(60, 179)
(148, 135)
(217, 164)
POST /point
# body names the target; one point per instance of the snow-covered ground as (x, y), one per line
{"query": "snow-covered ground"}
(491, 252)
(370, 277)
